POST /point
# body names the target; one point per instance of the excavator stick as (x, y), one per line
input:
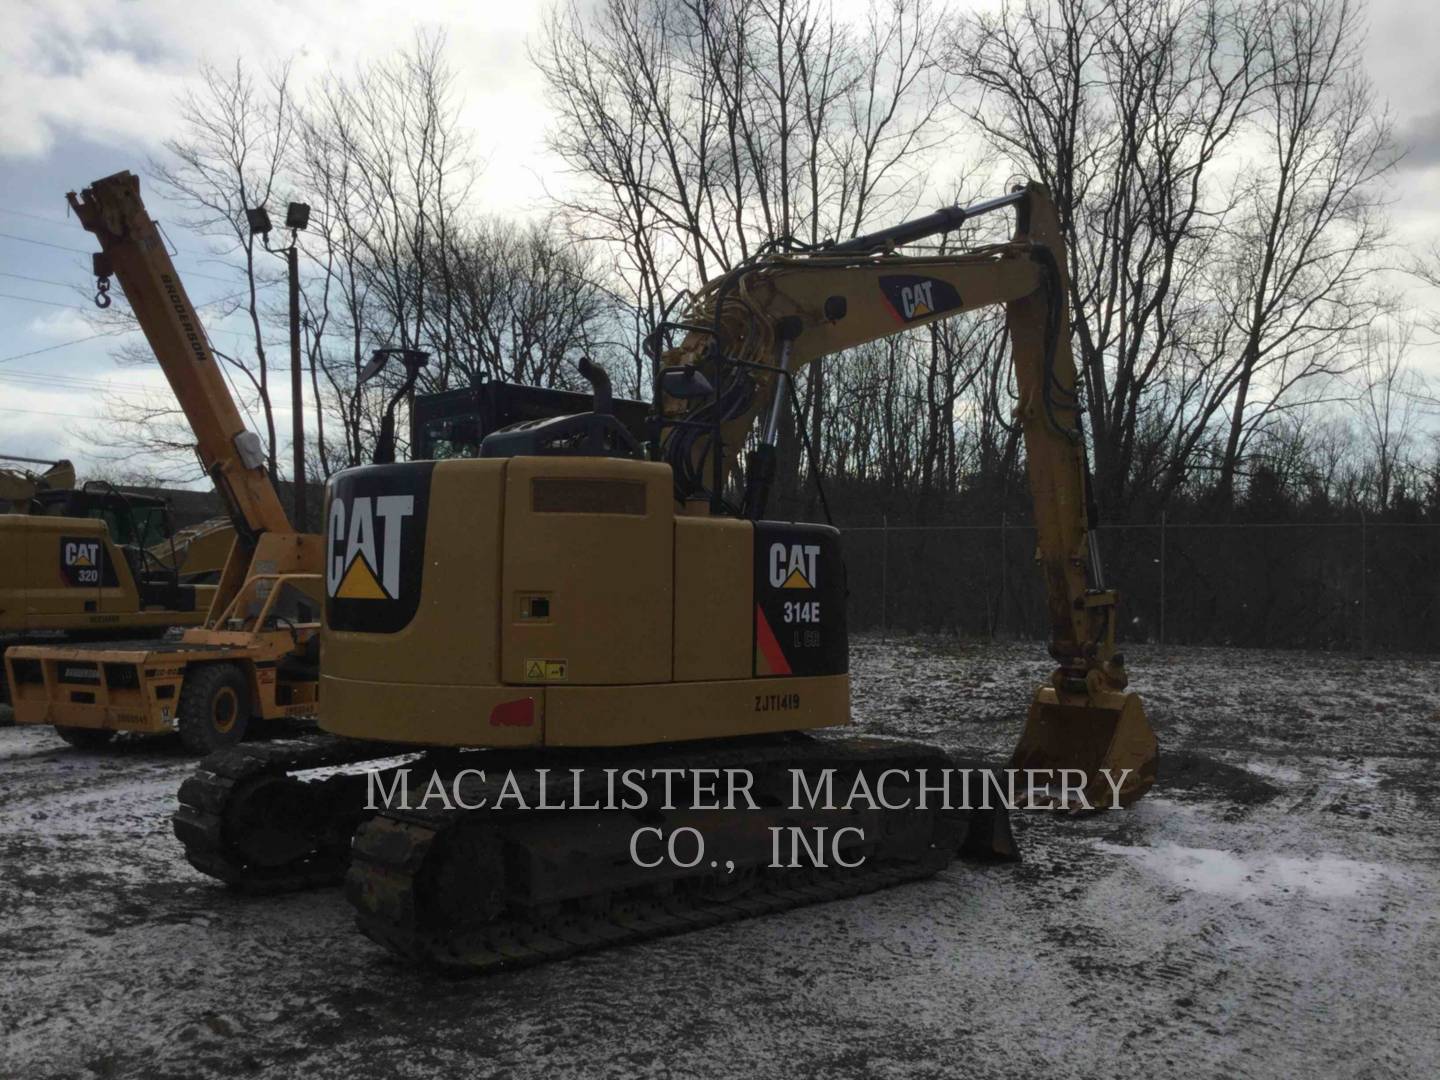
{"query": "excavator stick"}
(1104, 735)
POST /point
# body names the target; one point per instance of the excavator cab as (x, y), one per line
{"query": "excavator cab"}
(598, 433)
(139, 527)
(453, 423)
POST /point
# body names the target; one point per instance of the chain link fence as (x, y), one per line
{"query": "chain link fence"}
(1358, 587)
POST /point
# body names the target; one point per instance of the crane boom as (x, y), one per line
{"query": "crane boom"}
(257, 654)
(135, 252)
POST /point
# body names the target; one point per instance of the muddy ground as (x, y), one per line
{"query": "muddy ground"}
(1269, 911)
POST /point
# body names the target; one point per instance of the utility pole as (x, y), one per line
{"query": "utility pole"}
(297, 403)
(297, 217)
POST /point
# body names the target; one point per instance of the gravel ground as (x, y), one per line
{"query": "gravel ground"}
(1270, 910)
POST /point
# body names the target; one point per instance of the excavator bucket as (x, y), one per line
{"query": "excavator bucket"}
(1104, 737)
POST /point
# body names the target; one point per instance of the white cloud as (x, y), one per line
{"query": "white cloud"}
(85, 88)
(113, 81)
(60, 325)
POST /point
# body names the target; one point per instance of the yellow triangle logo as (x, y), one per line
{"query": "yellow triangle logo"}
(920, 309)
(359, 583)
(535, 670)
(796, 580)
(81, 560)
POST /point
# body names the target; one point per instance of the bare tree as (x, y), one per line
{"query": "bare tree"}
(236, 132)
(526, 305)
(236, 138)
(1201, 298)
(702, 128)
(389, 168)
(1295, 285)
(1388, 405)
(1122, 109)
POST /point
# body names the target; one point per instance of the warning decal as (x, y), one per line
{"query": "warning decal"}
(541, 670)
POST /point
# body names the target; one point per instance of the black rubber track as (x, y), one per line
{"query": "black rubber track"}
(398, 865)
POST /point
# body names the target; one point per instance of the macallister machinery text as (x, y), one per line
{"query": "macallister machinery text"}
(637, 790)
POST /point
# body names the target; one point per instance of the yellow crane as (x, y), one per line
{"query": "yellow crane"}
(572, 603)
(255, 655)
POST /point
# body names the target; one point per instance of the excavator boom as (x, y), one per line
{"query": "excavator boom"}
(752, 329)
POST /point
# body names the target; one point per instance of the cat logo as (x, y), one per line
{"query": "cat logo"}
(78, 553)
(83, 562)
(375, 546)
(913, 297)
(793, 566)
(365, 555)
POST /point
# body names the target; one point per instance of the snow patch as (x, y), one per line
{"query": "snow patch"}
(1223, 873)
(355, 768)
(1282, 774)
(1359, 773)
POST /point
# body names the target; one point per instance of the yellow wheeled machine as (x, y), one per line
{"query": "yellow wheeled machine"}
(96, 562)
(255, 652)
(574, 603)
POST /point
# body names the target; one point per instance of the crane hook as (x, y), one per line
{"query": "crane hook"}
(101, 268)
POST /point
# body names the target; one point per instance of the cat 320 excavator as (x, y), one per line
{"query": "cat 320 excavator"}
(574, 600)
(94, 562)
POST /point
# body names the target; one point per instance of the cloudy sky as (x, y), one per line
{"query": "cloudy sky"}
(88, 89)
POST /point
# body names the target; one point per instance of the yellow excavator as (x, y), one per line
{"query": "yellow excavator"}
(255, 655)
(19, 485)
(572, 603)
(94, 561)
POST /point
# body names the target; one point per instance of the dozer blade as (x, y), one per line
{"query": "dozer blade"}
(1104, 736)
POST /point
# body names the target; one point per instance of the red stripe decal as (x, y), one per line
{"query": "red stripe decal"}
(518, 713)
(769, 647)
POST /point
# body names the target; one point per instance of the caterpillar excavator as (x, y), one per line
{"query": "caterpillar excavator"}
(254, 655)
(572, 603)
(19, 485)
(94, 562)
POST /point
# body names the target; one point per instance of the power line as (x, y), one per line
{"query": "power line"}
(74, 285)
(192, 273)
(37, 300)
(38, 280)
(33, 217)
(41, 412)
(66, 382)
(66, 344)
(86, 310)
(43, 243)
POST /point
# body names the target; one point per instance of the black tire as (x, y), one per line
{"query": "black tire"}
(214, 707)
(85, 738)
